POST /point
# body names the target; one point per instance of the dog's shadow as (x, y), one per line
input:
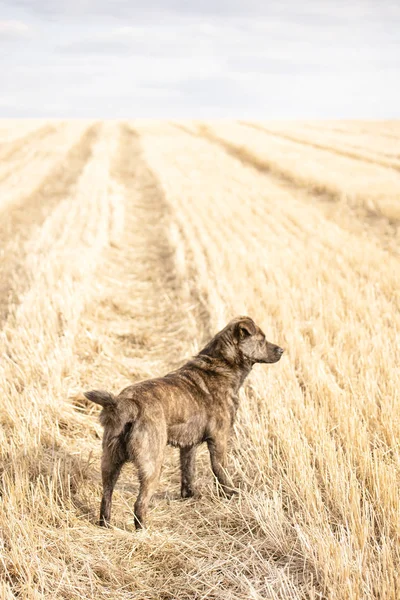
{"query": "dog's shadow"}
(127, 489)
(72, 481)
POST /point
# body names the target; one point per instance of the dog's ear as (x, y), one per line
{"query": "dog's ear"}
(245, 328)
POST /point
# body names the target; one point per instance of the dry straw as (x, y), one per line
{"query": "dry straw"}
(162, 235)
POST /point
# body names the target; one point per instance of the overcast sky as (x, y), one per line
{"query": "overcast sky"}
(201, 58)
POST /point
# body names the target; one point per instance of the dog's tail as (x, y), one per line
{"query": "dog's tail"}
(105, 399)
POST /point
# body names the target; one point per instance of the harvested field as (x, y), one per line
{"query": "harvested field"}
(361, 146)
(371, 189)
(124, 247)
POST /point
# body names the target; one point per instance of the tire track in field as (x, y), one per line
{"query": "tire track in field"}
(289, 223)
(349, 137)
(144, 292)
(13, 129)
(177, 239)
(298, 140)
(38, 148)
(62, 255)
(378, 132)
(288, 226)
(12, 149)
(36, 346)
(20, 220)
(262, 165)
(385, 228)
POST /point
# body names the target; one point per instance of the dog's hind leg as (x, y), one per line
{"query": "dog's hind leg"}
(148, 451)
(149, 478)
(111, 465)
(188, 471)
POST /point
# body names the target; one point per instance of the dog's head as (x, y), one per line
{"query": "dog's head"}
(242, 341)
(251, 342)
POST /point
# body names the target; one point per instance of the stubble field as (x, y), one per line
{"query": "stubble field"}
(124, 247)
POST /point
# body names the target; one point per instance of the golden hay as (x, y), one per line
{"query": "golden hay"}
(161, 236)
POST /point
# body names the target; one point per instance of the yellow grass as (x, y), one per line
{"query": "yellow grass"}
(12, 130)
(387, 129)
(372, 187)
(143, 239)
(27, 160)
(378, 138)
(361, 146)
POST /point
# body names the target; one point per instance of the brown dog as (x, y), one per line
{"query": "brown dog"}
(195, 404)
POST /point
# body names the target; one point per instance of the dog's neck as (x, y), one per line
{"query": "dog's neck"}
(224, 360)
(230, 376)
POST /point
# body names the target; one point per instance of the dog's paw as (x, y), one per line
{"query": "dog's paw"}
(188, 493)
(103, 523)
(229, 492)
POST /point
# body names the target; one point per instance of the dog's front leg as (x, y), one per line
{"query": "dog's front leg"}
(188, 471)
(218, 453)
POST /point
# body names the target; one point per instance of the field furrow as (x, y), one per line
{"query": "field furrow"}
(46, 149)
(343, 134)
(23, 220)
(336, 144)
(36, 345)
(15, 149)
(370, 189)
(58, 265)
(13, 129)
(355, 219)
(389, 130)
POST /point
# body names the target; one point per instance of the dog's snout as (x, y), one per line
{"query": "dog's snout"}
(279, 350)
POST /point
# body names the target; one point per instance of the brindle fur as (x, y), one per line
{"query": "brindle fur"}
(194, 404)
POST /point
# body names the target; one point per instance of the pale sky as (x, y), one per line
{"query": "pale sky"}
(200, 59)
